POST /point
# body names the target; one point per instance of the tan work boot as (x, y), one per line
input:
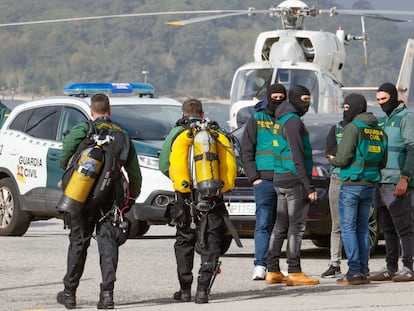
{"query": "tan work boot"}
(275, 277)
(300, 278)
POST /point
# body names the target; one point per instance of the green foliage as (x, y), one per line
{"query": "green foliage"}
(196, 60)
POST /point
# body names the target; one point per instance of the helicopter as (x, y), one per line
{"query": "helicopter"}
(290, 55)
(295, 56)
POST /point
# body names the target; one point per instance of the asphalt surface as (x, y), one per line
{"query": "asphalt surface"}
(32, 268)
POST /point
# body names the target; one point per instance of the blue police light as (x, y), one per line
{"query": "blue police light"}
(85, 89)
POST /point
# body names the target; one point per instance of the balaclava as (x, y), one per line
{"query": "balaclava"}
(393, 102)
(294, 98)
(275, 88)
(357, 104)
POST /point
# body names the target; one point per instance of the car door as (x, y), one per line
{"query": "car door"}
(30, 135)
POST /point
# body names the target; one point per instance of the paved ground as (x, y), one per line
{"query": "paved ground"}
(32, 268)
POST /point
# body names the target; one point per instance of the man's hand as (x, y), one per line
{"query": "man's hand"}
(401, 187)
(257, 181)
(330, 157)
(313, 196)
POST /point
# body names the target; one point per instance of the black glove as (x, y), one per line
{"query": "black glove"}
(175, 215)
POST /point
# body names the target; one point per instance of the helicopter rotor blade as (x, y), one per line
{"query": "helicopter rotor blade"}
(333, 11)
(87, 18)
(251, 11)
(390, 19)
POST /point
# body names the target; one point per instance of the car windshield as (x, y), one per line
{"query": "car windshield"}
(146, 122)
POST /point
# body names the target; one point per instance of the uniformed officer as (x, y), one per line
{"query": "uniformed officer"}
(103, 217)
(360, 155)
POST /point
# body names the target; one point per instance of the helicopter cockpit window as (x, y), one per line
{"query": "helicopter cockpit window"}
(250, 84)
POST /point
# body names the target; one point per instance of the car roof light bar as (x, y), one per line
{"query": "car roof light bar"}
(85, 89)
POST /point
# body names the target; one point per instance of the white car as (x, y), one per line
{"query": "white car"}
(31, 143)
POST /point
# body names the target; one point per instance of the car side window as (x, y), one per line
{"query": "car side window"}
(38, 122)
(19, 122)
(70, 118)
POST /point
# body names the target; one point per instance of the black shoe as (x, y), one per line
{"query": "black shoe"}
(201, 296)
(106, 300)
(67, 298)
(183, 295)
(332, 272)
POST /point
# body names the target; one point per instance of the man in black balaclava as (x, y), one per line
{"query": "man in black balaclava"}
(276, 94)
(387, 97)
(258, 163)
(299, 97)
(294, 187)
(360, 155)
(394, 200)
(354, 104)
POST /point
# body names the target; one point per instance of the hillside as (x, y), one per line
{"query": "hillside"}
(196, 60)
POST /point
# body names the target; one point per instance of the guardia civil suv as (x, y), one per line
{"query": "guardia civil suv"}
(31, 143)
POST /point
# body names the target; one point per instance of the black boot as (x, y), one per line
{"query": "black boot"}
(183, 295)
(67, 298)
(201, 296)
(106, 300)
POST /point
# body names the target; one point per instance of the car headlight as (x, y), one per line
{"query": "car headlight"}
(148, 162)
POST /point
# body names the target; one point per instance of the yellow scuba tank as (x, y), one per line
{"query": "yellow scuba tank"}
(227, 162)
(179, 171)
(206, 163)
(82, 180)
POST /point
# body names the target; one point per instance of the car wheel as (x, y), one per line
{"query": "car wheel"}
(133, 229)
(143, 227)
(373, 230)
(13, 221)
(322, 242)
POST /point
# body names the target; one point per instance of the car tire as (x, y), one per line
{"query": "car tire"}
(13, 221)
(143, 227)
(138, 227)
(373, 230)
(133, 229)
(322, 242)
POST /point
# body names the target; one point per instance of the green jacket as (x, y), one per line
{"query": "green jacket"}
(79, 132)
(339, 132)
(264, 148)
(164, 161)
(282, 151)
(399, 126)
(353, 156)
(4, 113)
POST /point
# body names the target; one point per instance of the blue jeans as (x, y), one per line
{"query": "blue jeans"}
(292, 209)
(354, 203)
(266, 202)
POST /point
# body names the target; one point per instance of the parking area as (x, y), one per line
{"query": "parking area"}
(33, 267)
